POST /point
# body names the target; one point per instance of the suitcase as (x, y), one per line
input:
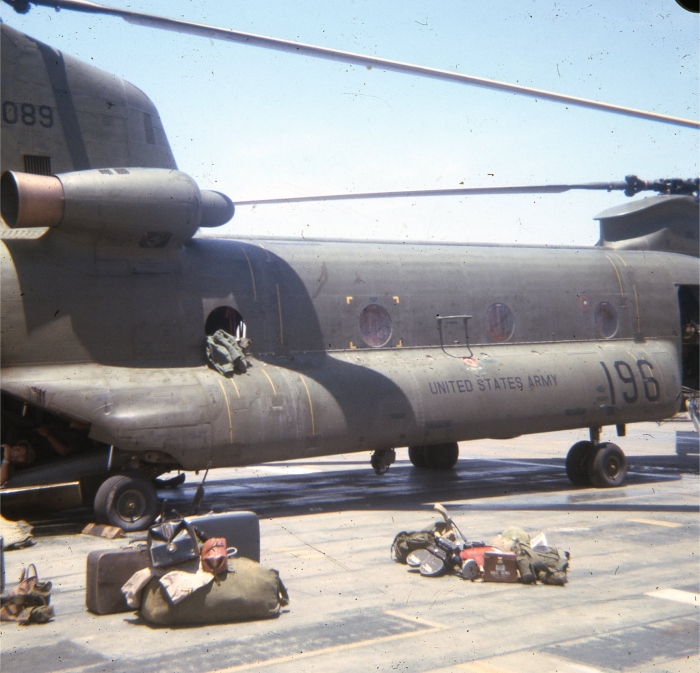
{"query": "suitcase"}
(241, 530)
(107, 571)
(500, 567)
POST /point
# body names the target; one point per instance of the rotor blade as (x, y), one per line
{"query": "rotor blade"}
(631, 186)
(465, 191)
(348, 57)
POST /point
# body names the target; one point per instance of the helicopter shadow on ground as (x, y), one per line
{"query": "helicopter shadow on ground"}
(405, 488)
(480, 485)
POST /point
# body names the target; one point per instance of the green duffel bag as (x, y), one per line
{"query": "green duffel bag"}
(404, 543)
(248, 591)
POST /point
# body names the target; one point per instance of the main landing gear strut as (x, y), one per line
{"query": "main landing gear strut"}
(594, 463)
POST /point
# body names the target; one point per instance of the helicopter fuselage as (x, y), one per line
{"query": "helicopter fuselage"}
(355, 346)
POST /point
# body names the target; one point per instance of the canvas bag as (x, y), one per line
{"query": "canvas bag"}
(29, 601)
(546, 564)
(404, 543)
(172, 542)
(224, 354)
(246, 592)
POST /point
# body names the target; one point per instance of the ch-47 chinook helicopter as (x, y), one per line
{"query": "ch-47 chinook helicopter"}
(108, 311)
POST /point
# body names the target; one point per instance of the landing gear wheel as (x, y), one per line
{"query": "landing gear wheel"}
(441, 456)
(577, 463)
(127, 501)
(607, 465)
(416, 454)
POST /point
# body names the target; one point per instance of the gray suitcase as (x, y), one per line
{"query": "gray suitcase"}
(107, 572)
(241, 530)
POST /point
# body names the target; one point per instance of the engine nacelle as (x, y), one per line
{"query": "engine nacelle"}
(152, 207)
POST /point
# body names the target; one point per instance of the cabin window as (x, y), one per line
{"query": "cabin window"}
(605, 317)
(375, 325)
(227, 319)
(499, 322)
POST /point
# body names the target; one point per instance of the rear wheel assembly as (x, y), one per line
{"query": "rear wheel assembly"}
(577, 463)
(607, 465)
(436, 457)
(442, 456)
(416, 455)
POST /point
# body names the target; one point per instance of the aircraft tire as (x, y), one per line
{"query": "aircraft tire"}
(416, 454)
(577, 463)
(607, 465)
(441, 456)
(127, 501)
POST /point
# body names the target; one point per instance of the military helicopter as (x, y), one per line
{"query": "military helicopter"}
(132, 347)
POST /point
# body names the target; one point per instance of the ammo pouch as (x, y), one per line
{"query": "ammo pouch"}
(247, 591)
(171, 542)
(404, 543)
(546, 564)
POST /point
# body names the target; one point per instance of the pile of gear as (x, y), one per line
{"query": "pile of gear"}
(512, 556)
(192, 579)
(29, 602)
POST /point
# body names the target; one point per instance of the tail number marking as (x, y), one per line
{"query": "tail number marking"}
(625, 373)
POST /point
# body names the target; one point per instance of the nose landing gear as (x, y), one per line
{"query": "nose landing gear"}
(599, 464)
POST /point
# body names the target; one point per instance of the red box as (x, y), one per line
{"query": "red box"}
(500, 567)
(477, 553)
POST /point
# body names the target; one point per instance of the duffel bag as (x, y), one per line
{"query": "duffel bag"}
(246, 592)
(404, 543)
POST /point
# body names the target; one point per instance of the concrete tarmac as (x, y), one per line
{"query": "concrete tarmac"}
(327, 525)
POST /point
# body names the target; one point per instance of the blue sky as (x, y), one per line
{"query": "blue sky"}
(255, 123)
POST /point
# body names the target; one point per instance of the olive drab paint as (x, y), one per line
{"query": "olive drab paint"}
(355, 347)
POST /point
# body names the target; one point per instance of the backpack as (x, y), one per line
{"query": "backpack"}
(546, 564)
(404, 543)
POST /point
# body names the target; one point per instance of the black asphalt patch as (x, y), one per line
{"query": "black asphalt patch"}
(49, 658)
(630, 649)
(281, 643)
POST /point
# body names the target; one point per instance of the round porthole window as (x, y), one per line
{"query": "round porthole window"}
(375, 325)
(499, 322)
(605, 319)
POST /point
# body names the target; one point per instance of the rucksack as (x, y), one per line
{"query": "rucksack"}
(404, 543)
(545, 564)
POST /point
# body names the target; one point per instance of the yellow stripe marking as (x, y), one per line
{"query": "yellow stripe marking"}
(228, 409)
(235, 387)
(617, 273)
(518, 661)
(481, 667)
(620, 258)
(636, 303)
(311, 406)
(267, 254)
(687, 597)
(654, 522)
(417, 620)
(348, 300)
(279, 309)
(252, 277)
(396, 299)
(274, 390)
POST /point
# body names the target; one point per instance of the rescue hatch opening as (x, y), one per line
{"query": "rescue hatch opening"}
(227, 319)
